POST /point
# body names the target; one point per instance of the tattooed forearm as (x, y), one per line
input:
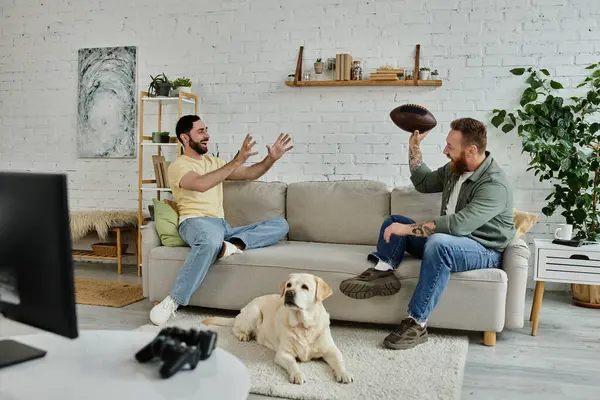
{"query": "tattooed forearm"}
(415, 158)
(423, 229)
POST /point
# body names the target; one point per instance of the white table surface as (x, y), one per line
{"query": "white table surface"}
(547, 244)
(101, 365)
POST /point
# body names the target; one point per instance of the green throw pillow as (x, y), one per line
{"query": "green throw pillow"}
(167, 225)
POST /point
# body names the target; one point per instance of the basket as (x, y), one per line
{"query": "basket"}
(108, 249)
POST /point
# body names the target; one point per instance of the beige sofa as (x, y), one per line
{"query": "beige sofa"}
(333, 226)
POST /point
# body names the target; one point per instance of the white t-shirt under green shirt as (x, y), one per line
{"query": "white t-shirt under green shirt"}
(451, 206)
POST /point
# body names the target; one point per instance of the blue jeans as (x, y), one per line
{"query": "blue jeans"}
(441, 253)
(205, 236)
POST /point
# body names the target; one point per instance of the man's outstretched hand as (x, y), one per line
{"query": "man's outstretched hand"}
(246, 151)
(280, 147)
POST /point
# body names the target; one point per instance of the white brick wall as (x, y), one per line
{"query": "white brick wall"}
(238, 54)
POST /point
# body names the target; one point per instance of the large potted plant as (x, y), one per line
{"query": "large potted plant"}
(562, 136)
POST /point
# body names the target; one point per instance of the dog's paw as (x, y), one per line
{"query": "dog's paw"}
(344, 377)
(242, 336)
(297, 378)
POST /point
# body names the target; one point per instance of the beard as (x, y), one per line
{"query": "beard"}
(198, 148)
(458, 166)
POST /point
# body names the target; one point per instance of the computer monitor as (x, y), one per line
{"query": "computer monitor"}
(36, 265)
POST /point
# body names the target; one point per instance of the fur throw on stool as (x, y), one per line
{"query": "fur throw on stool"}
(83, 222)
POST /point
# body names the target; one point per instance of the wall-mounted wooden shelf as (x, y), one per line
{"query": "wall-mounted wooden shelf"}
(298, 82)
(367, 83)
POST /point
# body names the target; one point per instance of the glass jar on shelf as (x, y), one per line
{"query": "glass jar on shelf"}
(356, 74)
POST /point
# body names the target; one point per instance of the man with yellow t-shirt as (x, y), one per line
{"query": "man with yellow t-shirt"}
(196, 180)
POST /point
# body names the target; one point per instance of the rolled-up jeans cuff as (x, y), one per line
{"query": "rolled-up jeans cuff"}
(420, 321)
(374, 258)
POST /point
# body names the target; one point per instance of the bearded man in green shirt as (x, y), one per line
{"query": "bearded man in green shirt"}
(474, 228)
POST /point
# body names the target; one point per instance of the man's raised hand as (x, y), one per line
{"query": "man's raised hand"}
(278, 149)
(246, 151)
(417, 137)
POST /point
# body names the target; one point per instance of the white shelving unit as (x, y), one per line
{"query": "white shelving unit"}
(145, 142)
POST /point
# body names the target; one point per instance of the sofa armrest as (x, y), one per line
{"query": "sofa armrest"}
(515, 262)
(150, 240)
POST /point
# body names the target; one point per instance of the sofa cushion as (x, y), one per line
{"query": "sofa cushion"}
(249, 202)
(420, 207)
(344, 212)
(524, 221)
(296, 256)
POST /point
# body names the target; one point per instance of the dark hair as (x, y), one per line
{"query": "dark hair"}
(185, 124)
(474, 132)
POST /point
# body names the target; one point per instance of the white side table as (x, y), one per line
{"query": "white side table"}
(564, 264)
(101, 365)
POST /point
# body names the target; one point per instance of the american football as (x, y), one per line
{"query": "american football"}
(413, 117)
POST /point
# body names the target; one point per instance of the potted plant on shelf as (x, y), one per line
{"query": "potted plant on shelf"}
(435, 74)
(159, 86)
(181, 85)
(160, 137)
(562, 136)
(424, 73)
(319, 66)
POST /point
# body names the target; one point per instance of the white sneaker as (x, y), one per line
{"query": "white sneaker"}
(164, 310)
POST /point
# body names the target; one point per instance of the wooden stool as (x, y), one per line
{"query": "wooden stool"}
(88, 254)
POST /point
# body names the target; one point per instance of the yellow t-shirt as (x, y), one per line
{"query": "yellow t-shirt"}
(191, 203)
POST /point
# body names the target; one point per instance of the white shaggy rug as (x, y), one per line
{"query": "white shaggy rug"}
(433, 370)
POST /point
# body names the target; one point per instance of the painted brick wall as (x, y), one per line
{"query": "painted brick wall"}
(238, 54)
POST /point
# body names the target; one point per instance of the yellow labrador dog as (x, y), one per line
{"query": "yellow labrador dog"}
(293, 323)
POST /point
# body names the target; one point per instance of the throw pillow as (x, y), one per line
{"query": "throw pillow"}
(524, 221)
(167, 224)
(172, 204)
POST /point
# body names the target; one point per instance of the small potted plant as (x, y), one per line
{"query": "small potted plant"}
(424, 73)
(291, 77)
(319, 66)
(181, 85)
(160, 137)
(435, 74)
(159, 86)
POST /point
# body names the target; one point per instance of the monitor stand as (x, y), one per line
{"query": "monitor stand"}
(13, 352)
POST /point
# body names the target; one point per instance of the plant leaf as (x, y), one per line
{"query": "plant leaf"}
(591, 66)
(545, 71)
(556, 85)
(497, 121)
(507, 128)
(517, 71)
(534, 82)
(528, 96)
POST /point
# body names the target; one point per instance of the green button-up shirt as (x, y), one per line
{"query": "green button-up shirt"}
(484, 210)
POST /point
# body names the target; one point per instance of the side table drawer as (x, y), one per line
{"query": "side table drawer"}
(569, 265)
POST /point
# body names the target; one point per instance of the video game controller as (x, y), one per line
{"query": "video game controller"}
(177, 347)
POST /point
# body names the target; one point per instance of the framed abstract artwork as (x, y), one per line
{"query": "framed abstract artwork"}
(106, 102)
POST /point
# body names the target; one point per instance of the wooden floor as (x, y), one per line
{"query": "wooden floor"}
(561, 362)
